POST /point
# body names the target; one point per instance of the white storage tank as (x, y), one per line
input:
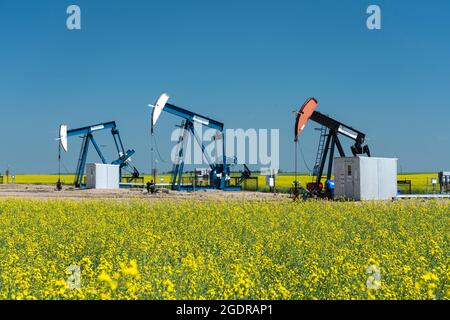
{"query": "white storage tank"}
(102, 176)
(365, 178)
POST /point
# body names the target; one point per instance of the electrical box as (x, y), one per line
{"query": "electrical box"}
(444, 181)
(270, 181)
(102, 176)
(365, 178)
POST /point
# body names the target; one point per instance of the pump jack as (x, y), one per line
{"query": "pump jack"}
(220, 170)
(333, 130)
(87, 134)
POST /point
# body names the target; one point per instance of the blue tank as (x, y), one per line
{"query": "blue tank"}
(330, 187)
(330, 184)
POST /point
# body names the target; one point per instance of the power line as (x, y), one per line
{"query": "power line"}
(157, 151)
(304, 161)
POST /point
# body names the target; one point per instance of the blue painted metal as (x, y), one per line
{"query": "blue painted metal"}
(124, 157)
(223, 170)
(97, 148)
(179, 165)
(82, 161)
(193, 117)
(91, 129)
(87, 134)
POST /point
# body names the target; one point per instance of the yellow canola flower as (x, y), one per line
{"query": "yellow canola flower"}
(224, 249)
(105, 296)
(370, 295)
(131, 269)
(429, 276)
(104, 277)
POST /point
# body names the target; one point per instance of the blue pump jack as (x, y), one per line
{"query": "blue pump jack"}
(87, 134)
(220, 172)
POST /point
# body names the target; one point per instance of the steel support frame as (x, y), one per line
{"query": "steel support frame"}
(177, 174)
(331, 144)
(87, 139)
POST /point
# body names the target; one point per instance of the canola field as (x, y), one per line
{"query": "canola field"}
(224, 249)
(421, 182)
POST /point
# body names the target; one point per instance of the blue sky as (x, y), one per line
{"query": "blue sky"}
(245, 63)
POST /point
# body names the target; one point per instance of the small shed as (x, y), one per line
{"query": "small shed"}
(365, 178)
(102, 176)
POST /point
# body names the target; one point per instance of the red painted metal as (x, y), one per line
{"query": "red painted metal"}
(303, 116)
